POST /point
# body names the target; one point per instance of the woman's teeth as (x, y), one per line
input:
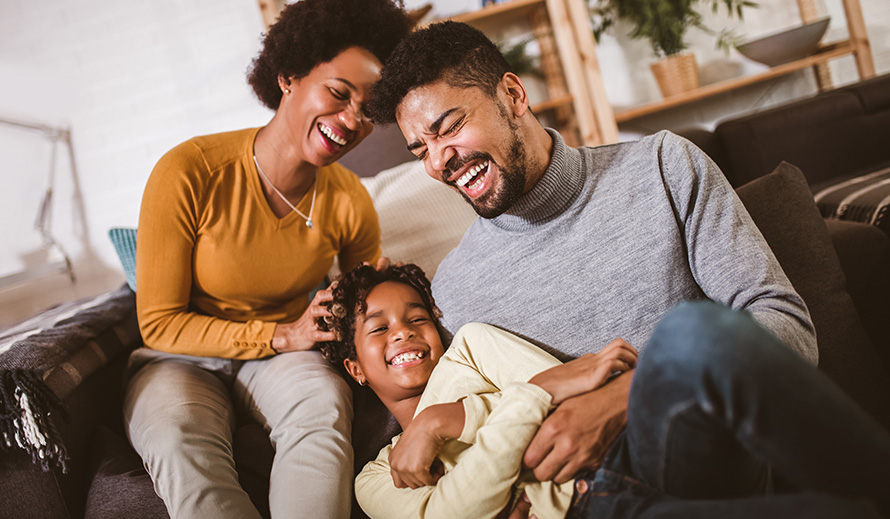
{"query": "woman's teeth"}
(466, 177)
(329, 133)
(408, 356)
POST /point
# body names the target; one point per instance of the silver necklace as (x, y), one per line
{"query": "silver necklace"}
(308, 219)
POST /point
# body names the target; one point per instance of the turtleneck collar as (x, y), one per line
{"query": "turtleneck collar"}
(560, 185)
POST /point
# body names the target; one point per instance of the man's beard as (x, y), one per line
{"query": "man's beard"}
(501, 198)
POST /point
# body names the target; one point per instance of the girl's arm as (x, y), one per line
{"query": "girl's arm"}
(480, 485)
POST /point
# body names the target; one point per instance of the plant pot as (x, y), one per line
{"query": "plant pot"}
(676, 74)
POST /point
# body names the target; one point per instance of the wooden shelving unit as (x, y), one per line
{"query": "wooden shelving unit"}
(824, 55)
(577, 94)
(586, 94)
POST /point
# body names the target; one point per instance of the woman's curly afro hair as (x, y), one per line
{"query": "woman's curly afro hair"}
(311, 32)
(350, 301)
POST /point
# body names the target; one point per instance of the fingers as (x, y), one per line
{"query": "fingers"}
(383, 263)
(322, 296)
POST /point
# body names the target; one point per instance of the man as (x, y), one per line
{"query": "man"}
(576, 247)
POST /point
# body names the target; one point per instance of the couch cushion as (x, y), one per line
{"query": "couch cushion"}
(124, 241)
(421, 219)
(120, 486)
(829, 136)
(783, 209)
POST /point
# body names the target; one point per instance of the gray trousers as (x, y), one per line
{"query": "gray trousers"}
(179, 413)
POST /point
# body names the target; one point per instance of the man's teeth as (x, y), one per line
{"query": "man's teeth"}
(329, 133)
(408, 356)
(466, 177)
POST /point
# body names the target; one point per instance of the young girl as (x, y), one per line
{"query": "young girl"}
(467, 414)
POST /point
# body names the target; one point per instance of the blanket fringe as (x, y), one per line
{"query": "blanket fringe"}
(26, 409)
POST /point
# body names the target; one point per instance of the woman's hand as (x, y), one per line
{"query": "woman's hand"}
(587, 372)
(303, 334)
(412, 461)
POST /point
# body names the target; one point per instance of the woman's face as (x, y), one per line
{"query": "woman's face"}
(324, 111)
(397, 343)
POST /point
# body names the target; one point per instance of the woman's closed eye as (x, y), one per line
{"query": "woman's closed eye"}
(339, 95)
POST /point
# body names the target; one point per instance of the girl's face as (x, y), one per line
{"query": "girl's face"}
(397, 343)
(324, 110)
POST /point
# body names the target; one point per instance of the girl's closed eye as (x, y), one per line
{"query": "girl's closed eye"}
(341, 96)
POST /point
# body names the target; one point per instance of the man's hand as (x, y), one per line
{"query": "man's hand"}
(412, 461)
(579, 432)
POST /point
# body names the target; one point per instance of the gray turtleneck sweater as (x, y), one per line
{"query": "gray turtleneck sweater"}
(607, 241)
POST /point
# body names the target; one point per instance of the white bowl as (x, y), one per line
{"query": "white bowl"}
(789, 45)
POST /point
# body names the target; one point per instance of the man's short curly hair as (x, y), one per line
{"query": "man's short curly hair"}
(452, 51)
(311, 32)
(350, 301)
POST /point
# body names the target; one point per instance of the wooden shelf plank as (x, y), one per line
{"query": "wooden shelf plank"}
(825, 54)
(550, 104)
(494, 10)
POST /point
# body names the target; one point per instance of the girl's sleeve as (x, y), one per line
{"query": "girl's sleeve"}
(480, 484)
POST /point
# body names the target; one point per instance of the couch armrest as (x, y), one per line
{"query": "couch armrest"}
(864, 253)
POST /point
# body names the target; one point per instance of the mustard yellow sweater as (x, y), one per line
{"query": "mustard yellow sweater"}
(217, 269)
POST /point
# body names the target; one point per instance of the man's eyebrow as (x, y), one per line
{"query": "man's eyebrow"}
(433, 128)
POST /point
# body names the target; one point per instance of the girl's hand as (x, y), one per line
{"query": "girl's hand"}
(587, 372)
(303, 334)
(412, 461)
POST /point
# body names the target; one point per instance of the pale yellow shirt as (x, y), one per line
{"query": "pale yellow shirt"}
(487, 369)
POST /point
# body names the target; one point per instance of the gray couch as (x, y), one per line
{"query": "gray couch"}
(839, 267)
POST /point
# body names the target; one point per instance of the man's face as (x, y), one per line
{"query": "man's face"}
(468, 140)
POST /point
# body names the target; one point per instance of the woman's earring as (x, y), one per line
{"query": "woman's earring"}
(287, 91)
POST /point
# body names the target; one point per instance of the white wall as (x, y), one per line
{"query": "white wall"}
(132, 79)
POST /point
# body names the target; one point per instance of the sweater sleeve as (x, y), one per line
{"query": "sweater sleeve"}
(729, 257)
(168, 226)
(480, 483)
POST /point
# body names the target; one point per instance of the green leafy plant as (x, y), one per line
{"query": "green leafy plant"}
(664, 22)
(519, 59)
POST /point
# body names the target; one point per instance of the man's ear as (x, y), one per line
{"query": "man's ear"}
(517, 97)
(355, 371)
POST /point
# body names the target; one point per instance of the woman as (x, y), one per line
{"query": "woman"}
(235, 231)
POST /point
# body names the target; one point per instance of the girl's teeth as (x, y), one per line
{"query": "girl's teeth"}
(406, 357)
(466, 177)
(329, 133)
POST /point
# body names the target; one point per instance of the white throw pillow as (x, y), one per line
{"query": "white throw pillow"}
(421, 219)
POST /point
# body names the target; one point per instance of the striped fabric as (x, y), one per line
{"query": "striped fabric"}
(45, 358)
(864, 199)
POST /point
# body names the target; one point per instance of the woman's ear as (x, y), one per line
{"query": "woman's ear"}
(284, 84)
(355, 371)
(517, 98)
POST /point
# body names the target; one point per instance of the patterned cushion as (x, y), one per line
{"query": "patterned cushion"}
(782, 206)
(865, 198)
(124, 241)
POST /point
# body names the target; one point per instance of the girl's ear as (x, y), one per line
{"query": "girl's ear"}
(355, 371)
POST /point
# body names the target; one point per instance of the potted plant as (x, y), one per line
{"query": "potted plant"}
(664, 23)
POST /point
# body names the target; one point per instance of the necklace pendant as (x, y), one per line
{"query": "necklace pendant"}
(309, 223)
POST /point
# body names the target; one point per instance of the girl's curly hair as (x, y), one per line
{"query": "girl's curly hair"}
(350, 301)
(311, 32)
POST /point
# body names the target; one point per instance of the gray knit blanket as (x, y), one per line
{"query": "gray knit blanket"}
(45, 358)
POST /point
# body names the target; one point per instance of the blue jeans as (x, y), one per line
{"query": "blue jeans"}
(716, 402)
